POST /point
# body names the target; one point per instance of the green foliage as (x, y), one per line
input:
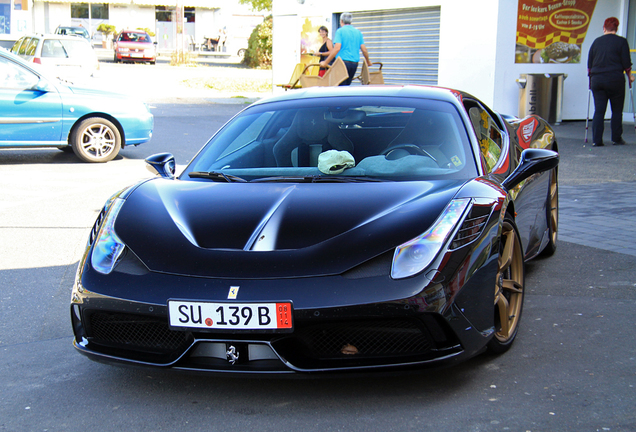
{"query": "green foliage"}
(258, 5)
(106, 28)
(259, 46)
(147, 30)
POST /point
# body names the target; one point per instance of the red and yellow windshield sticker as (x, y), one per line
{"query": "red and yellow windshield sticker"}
(552, 31)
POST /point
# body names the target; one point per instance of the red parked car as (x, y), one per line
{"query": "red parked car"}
(135, 45)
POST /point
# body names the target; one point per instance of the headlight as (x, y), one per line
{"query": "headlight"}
(123, 49)
(415, 255)
(108, 247)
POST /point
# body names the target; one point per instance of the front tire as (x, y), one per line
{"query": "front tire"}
(96, 139)
(552, 210)
(509, 289)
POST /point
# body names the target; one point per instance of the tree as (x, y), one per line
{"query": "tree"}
(259, 46)
(258, 5)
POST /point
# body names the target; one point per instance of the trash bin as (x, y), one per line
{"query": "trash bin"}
(541, 94)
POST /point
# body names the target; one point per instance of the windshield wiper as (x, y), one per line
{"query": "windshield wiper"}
(316, 179)
(345, 179)
(215, 175)
(290, 179)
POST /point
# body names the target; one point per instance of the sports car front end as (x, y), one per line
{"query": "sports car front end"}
(345, 302)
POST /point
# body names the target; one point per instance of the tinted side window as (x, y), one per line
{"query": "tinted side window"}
(33, 44)
(15, 49)
(12, 76)
(23, 46)
(488, 134)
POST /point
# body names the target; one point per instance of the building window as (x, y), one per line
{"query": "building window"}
(5, 17)
(98, 10)
(189, 14)
(164, 13)
(21, 5)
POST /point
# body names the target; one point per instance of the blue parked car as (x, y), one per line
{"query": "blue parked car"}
(37, 111)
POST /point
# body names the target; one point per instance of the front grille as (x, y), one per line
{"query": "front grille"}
(371, 338)
(138, 332)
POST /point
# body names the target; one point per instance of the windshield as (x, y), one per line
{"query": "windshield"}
(134, 37)
(361, 138)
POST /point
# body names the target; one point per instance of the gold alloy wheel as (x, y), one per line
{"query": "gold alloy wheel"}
(552, 214)
(554, 208)
(509, 286)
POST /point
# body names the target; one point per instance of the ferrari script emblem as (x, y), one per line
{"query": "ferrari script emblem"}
(232, 354)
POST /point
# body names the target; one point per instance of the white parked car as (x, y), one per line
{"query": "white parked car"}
(66, 57)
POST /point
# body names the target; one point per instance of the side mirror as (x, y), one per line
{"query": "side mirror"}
(162, 164)
(42, 86)
(533, 161)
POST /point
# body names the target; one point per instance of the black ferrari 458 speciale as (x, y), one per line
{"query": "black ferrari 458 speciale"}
(325, 230)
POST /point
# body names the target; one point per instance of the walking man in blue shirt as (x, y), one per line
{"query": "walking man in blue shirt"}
(347, 45)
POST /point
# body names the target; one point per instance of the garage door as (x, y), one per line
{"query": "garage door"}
(405, 41)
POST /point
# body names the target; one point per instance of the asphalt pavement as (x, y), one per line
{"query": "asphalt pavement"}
(597, 199)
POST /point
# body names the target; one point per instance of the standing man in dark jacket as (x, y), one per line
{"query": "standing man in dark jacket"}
(607, 61)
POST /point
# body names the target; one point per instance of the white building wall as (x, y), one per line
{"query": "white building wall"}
(468, 37)
(468, 47)
(477, 46)
(58, 14)
(132, 17)
(205, 24)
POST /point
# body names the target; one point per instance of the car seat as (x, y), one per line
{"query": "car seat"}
(309, 135)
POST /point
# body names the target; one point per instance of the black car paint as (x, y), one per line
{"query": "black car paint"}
(358, 228)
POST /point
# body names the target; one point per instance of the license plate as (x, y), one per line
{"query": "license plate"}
(230, 316)
(137, 55)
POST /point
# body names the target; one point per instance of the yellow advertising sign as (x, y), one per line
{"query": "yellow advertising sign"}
(552, 31)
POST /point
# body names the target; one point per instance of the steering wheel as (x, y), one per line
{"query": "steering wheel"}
(411, 149)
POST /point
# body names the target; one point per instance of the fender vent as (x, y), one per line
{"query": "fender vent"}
(473, 225)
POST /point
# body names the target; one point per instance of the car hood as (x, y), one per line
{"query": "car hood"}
(79, 96)
(256, 230)
(89, 91)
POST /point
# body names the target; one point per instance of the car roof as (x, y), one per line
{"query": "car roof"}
(133, 31)
(398, 91)
(51, 36)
